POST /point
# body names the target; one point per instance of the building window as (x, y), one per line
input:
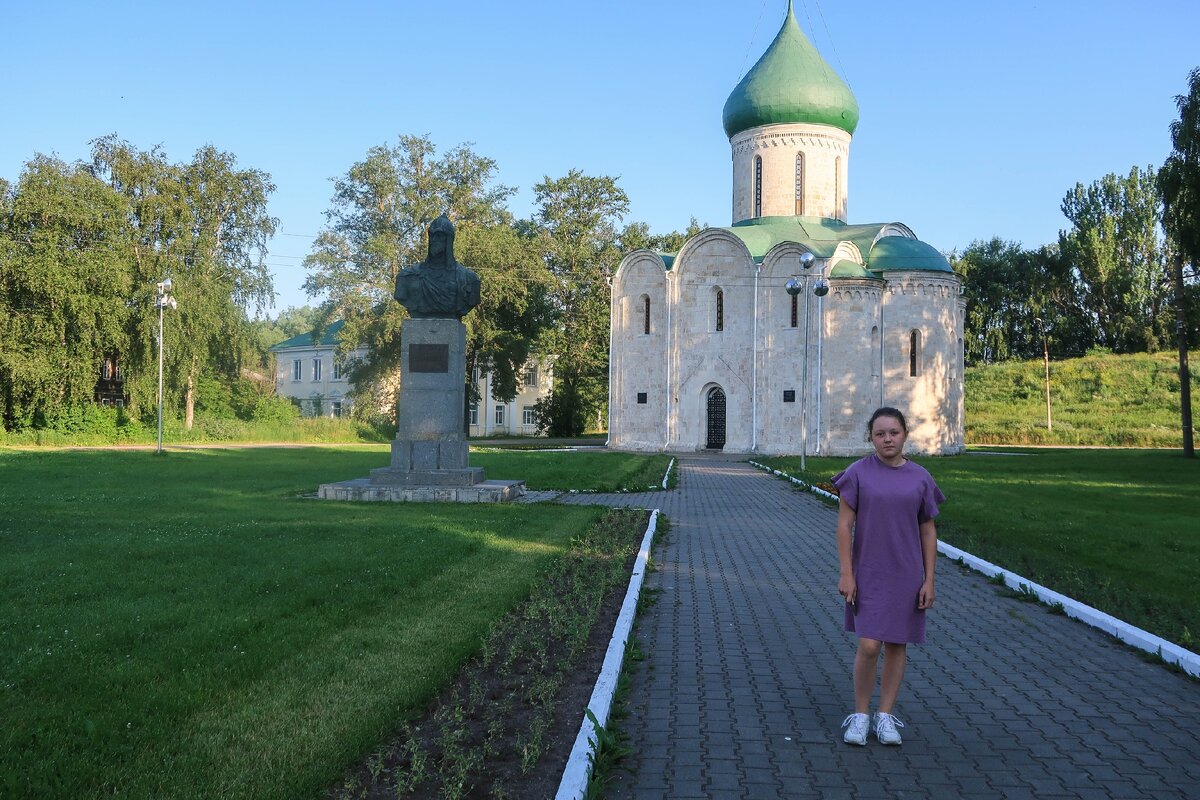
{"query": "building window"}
(875, 354)
(297, 370)
(720, 310)
(530, 377)
(837, 187)
(499, 415)
(337, 408)
(795, 311)
(527, 417)
(641, 398)
(474, 413)
(789, 395)
(316, 370)
(337, 369)
(799, 186)
(646, 314)
(914, 354)
(758, 186)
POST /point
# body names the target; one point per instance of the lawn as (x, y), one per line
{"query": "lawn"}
(189, 625)
(592, 470)
(1116, 529)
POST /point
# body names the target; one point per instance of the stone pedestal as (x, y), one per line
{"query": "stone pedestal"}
(429, 455)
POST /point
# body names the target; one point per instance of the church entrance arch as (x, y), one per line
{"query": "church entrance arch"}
(715, 426)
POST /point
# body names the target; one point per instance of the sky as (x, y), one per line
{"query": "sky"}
(976, 118)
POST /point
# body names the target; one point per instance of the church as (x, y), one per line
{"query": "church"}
(782, 332)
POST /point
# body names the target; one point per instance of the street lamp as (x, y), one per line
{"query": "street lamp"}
(795, 285)
(162, 299)
(1046, 358)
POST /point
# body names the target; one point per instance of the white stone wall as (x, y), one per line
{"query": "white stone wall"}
(826, 178)
(702, 357)
(638, 359)
(850, 370)
(932, 399)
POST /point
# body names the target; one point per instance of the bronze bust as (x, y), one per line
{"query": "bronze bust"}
(439, 286)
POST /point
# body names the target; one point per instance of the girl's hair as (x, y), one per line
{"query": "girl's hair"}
(886, 411)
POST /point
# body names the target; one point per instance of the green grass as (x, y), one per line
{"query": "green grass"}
(1130, 400)
(591, 470)
(186, 626)
(1116, 529)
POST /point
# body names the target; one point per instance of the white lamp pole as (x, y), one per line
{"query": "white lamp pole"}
(794, 286)
(162, 299)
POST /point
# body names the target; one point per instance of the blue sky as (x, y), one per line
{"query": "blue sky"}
(976, 117)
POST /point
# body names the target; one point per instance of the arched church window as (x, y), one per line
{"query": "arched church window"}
(795, 311)
(799, 193)
(875, 355)
(646, 313)
(758, 186)
(720, 310)
(914, 353)
(837, 187)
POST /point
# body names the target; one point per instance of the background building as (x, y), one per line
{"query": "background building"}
(709, 348)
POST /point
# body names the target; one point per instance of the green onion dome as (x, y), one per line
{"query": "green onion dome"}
(790, 83)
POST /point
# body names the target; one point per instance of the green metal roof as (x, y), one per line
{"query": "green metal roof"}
(790, 83)
(900, 252)
(845, 268)
(328, 339)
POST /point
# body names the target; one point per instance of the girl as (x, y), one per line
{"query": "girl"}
(887, 547)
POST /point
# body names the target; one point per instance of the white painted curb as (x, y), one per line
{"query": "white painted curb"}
(579, 767)
(1129, 634)
(667, 476)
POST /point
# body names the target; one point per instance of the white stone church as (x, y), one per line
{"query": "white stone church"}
(710, 349)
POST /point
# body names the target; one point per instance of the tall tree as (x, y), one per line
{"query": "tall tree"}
(64, 285)
(1179, 181)
(378, 224)
(1117, 250)
(205, 225)
(576, 228)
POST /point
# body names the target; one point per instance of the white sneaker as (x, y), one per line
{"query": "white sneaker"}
(856, 726)
(885, 728)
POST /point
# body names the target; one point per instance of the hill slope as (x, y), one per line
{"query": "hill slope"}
(1100, 399)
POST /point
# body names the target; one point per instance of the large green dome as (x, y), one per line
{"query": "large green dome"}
(790, 83)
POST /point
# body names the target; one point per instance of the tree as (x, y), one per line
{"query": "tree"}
(378, 224)
(1008, 289)
(1179, 181)
(576, 229)
(1118, 255)
(205, 225)
(64, 286)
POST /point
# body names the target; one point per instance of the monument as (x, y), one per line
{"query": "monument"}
(429, 456)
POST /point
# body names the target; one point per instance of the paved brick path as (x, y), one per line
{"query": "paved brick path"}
(746, 678)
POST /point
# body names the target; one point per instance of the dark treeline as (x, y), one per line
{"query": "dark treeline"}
(1106, 284)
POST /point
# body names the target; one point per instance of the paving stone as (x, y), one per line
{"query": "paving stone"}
(745, 646)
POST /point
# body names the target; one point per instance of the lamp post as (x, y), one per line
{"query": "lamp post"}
(1046, 359)
(795, 285)
(162, 299)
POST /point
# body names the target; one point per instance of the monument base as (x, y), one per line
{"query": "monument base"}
(364, 490)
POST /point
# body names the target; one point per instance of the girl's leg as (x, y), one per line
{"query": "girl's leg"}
(865, 663)
(894, 657)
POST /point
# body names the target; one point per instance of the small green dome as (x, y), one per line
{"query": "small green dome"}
(900, 252)
(790, 83)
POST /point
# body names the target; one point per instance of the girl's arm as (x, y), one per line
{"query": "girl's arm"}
(929, 553)
(847, 587)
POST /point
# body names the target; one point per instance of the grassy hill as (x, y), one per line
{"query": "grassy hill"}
(1100, 399)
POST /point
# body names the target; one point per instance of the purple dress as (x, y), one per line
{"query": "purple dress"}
(889, 504)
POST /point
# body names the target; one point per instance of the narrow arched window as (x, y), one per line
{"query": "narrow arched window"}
(799, 188)
(795, 311)
(720, 310)
(646, 313)
(914, 353)
(875, 351)
(758, 186)
(837, 187)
